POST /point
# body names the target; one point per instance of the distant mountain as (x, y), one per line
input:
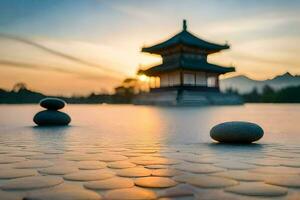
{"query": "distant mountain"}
(243, 84)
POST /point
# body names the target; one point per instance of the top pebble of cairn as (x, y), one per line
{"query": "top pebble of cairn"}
(52, 103)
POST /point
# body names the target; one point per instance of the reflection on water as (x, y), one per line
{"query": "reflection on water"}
(147, 124)
(148, 152)
(51, 137)
(234, 147)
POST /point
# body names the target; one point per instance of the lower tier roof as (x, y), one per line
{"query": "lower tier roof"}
(188, 65)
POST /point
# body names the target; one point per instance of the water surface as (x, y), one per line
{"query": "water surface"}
(149, 124)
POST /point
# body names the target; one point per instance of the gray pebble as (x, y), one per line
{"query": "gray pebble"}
(236, 132)
(51, 118)
(51, 103)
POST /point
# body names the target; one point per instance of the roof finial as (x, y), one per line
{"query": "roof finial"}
(184, 25)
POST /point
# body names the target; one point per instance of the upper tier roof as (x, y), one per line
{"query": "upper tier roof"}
(188, 39)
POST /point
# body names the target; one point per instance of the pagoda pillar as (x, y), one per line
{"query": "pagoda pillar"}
(181, 78)
(217, 82)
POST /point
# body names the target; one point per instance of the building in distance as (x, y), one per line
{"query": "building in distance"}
(185, 77)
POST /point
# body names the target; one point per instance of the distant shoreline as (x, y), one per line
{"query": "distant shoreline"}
(268, 95)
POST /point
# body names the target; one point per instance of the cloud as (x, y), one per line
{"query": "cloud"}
(51, 68)
(63, 55)
(259, 23)
(265, 60)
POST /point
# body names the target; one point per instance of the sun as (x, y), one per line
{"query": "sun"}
(143, 78)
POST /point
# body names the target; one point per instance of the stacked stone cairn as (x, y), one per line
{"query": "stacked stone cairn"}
(51, 116)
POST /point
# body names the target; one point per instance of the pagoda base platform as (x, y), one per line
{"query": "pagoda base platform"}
(186, 98)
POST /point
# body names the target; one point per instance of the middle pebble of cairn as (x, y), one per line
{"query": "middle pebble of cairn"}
(51, 116)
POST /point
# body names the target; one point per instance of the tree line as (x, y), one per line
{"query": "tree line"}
(20, 94)
(268, 94)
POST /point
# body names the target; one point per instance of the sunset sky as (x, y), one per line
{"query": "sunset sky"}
(82, 46)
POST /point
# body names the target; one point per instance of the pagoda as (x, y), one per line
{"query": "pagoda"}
(185, 76)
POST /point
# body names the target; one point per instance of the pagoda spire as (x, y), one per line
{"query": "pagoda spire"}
(184, 25)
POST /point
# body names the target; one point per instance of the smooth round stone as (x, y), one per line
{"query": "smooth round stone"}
(183, 178)
(130, 194)
(130, 154)
(16, 173)
(294, 196)
(51, 118)
(120, 165)
(156, 166)
(110, 157)
(33, 164)
(241, 175)
(155, 182)
(234, 165)
(204, 181)
(196, 158)
(280, 154)
(120, 149)
(43, 157)
(151, 160)
(91, 165)
(134, 172)
(208, 194)
(199, 168)
(89, 175)
(94, 151)
(29, 183)
(58, 170)
(7, 160)
(277, 170)
(109, 184)
(64, 193)
(291, 163)
(166, 172)
(24, 154)
(180, 190)
(81, 157)
(53, 151)
(285, 181)
(5, 166)
(52, 103)
(236, 132)
(144, 151)
(263, 162)
(257, 189)
(201, 160)
(10, 196)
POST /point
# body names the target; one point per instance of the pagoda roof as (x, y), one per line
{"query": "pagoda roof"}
(188, 65)
(185, 38)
